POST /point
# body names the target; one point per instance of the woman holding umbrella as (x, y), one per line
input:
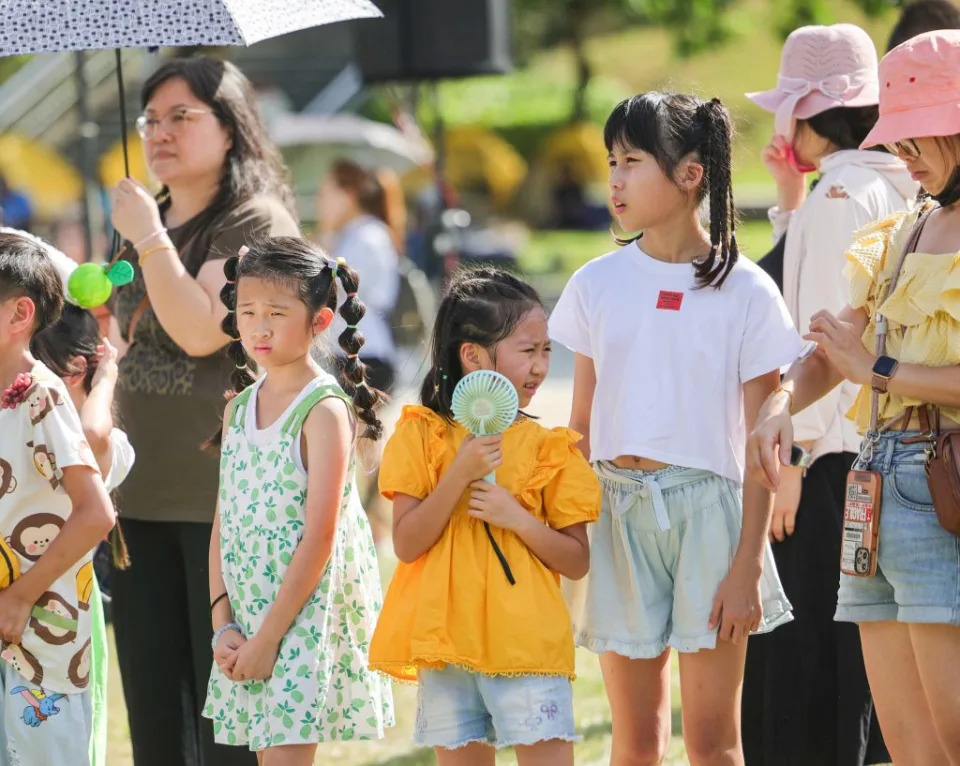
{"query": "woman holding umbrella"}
(223, 185)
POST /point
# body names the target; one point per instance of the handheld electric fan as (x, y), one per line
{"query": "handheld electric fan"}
(486, 403)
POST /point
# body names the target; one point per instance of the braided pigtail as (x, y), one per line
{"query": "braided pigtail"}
(241, 376)
(716, 156)
(366, 399)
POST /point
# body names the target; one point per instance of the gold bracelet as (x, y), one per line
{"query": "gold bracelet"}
(151, 250)
(789, 393)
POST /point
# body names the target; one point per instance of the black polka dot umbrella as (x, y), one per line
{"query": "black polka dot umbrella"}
(49, 26)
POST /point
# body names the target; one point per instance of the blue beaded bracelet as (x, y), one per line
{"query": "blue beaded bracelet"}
(223, 629)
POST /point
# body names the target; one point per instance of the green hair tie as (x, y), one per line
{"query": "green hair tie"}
(351, 327)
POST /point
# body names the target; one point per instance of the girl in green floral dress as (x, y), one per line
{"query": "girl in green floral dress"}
(294, 583)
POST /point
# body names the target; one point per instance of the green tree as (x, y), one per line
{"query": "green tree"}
(544, 23)
(695, 24)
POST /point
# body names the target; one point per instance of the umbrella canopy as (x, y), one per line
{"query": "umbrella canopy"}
(45, 26)
(371, 143)
(48, 179)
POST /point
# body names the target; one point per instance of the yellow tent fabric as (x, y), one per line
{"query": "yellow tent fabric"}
(47, 178)
(578, 148)
(475, 155)
(111, 163)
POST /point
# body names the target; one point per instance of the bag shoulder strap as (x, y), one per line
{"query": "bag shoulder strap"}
(881, 321)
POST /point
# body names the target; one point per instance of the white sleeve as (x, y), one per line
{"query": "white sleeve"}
(569, 323)
(833, 222)
(370, 252)
(122, 458)
(780, 220)
(770, 341)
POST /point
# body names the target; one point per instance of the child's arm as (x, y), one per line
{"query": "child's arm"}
(418, 524)
(225, 652)
(96, 415)
(565, 551)
(584, 385)
(736, 606)
(89, 522)
(329, 436)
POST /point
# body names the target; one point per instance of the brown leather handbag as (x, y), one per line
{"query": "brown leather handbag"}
(943, 474)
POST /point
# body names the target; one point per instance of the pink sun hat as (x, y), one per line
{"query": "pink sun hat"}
(919, 89)
(821, 68)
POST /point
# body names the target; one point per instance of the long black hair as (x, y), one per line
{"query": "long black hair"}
(76, 334)
(290, 260)
(483, 305)
(253, 164)
(845, 126)
(668, 127)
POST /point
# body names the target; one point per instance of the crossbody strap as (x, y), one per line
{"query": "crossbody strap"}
(882, 326)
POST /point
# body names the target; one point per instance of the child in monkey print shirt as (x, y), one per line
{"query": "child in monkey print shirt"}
(40, 435)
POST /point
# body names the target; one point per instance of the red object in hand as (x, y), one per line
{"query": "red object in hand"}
(17, 391)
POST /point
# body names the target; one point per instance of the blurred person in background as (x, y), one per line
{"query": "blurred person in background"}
(360, 223)
(15, 207)
(806, 699)
(924, 16)
(224, 184)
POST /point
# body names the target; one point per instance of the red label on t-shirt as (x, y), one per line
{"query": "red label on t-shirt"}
(669, 300)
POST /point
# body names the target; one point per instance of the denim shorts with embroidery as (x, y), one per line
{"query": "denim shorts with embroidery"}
(456, 707)
(918, 561)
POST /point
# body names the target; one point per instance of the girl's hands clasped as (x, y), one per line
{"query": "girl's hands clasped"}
(255, 659)
(495, 505)
(225, 652)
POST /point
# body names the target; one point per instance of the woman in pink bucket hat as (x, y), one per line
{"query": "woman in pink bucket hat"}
(906, 270)
(825, 103)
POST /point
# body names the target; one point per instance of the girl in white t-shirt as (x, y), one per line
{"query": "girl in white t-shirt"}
(678, 342)
(74, 350)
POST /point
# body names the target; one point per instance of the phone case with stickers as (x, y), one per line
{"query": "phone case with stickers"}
(861, 524)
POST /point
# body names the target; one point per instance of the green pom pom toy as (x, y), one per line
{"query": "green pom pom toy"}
(90, 285)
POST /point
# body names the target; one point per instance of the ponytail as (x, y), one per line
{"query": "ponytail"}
(716, 156)
(366, 399)
(240, 377)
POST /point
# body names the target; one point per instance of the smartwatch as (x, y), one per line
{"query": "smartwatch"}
(883, 369)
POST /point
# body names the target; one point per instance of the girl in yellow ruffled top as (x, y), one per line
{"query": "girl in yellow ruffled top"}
(487, 639)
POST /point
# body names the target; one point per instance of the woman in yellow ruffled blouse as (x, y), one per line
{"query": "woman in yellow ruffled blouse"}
(909, 611)
(493, 658)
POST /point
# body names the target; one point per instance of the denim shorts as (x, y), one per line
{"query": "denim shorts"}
(918, 572)
(664, 542)
(456, 707)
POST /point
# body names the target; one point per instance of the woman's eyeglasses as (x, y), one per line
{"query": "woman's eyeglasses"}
(173, 122)
(907, 148)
